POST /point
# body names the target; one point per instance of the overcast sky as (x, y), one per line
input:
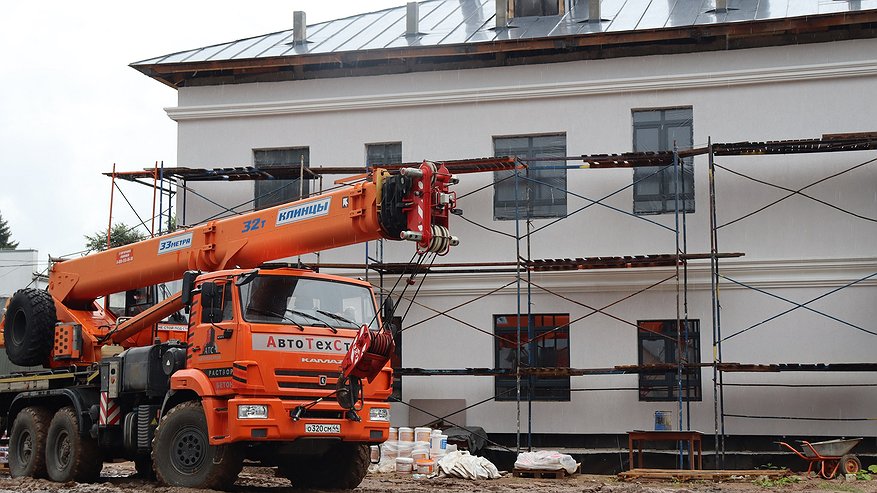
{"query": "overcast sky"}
(70, 106)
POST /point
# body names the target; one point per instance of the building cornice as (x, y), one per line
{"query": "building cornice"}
(670, 82)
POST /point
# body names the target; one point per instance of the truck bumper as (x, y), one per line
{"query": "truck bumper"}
(325, 421)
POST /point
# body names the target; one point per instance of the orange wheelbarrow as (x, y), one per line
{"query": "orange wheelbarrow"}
(831, 456)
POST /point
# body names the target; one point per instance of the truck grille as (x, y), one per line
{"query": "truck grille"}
(309, 381)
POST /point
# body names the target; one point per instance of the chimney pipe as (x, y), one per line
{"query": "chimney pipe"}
(412, 19)
(299, 28)
(594, 11)
(721, 6)
(502, 13)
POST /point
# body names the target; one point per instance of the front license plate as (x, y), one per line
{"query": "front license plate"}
(322, 429)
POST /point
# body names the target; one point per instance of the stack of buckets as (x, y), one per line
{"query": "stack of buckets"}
(415, 450)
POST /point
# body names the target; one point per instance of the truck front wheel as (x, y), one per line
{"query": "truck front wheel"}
(29, 327)
(69, 455)
(27, 443)
(183, 455)
(343, 467)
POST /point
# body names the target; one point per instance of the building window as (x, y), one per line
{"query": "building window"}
(530, 8)
(659, 345)
(269, 193)
(378, 154)
(654, 189)
(541, 192)
(549, 348)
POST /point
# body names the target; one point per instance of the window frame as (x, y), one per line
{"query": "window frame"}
(691, 376)
(561, 386)
(369, 164)
(289, 189)
(641, 174)
(527, 206)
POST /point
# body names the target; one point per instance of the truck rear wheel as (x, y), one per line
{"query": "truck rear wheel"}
(27, 443)
(69, 455)
(183, 455)
(343, 467)
(29, 327)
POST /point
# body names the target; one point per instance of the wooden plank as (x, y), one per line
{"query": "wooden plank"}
(543, 474)
(685, 475)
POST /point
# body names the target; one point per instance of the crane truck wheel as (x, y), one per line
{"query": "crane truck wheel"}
(27, 443)
(343, 467)
(183, 455)
(29, 327)
(69, 455)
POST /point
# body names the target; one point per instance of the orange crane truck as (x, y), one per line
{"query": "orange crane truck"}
(281, 366)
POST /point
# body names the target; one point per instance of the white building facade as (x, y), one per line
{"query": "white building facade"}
(799, 249)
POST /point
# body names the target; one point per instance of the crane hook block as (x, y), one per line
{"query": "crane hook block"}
(368, 354)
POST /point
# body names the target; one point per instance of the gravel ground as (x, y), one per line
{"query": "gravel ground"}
(118, 478)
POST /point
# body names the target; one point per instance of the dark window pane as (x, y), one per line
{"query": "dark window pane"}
(269, 193)
(549, 347)
(541, 192)
(659, 344)
(528, 8)
(378, 154)
(654, 189)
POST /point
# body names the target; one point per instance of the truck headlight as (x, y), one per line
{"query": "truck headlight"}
(252, 411)
(379, 414)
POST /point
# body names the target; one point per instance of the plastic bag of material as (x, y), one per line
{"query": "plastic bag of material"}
(386, 465)
(546, 460)
(463, 465)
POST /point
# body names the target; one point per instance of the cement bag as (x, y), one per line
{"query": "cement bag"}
(463, 465)
(546, 460)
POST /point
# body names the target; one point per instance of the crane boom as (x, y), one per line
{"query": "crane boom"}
(387, 206)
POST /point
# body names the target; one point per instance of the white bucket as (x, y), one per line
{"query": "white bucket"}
(404, 465)
(390, 449)
(394, 434)
(405, 449)
(422, 434)
(424, 466)
(375, 454)
(406, 434)
(420, 451)
(439, 442)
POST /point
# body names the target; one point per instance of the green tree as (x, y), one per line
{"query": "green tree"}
(120, 235)
(5, 233)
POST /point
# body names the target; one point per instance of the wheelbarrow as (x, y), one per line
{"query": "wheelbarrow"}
(831, 456)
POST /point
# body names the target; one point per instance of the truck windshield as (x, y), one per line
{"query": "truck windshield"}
(302, 301)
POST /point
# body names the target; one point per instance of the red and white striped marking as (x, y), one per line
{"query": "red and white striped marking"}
(110, 412)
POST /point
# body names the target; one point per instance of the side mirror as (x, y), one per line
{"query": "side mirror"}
(211, 302)
(188, 286)
(247, 277)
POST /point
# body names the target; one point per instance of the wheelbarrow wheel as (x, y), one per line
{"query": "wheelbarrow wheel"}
(850, 464)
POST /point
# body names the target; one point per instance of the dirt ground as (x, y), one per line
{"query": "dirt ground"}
(118, 478)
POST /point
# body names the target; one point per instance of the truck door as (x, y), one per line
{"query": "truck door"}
(212, 338)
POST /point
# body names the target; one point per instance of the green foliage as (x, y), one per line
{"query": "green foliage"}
(766, 482)
(872, 468)
(120, 235)
(5, 234)
(863, 476)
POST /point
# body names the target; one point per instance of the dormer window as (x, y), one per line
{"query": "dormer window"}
(533, 8)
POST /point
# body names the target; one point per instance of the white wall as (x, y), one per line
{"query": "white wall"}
(798, 249)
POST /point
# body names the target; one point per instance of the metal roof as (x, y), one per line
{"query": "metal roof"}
(456, 22)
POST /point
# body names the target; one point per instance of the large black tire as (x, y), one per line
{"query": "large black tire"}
(343, 467)
(29, 327)
(183, 455)
(27, 442)
(69, 455)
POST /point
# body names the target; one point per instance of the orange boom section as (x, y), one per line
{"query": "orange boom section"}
(395, 207)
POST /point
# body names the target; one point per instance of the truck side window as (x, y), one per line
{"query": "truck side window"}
(226, 302)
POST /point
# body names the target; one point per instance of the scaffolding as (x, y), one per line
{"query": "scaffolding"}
(524, 371)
